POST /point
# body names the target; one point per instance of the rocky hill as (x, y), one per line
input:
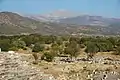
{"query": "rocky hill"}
(54, 16)
(12, 23)
(90, 20)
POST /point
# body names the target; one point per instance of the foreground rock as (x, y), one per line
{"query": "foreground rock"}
(14, 67)
(107, 76)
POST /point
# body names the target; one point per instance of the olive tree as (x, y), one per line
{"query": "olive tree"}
(72, 49)
(91, 49)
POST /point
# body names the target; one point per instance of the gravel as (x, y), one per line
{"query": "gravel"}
(14, 67)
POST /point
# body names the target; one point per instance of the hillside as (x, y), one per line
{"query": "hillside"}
(12, 23)
(90, 20)
(104, 25)
(53, 16)
(37, 57)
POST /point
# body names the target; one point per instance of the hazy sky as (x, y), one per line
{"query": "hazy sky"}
(107, 8)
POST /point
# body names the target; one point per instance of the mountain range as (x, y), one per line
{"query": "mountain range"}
(68, 17)
(54, 16)
(12, 23)
(58, 23)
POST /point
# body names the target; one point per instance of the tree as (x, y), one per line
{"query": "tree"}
(5, 44)
(49, 39)
(38, 47)
(109, 46)
(28, 40)
(113, 40)
(72, 49)
(55, 49)
(102, 47)
(47, 57)
(19, 44)
(59, 42)
(91, 49)
(74, 39)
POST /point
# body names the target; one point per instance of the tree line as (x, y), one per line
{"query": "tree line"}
(51, 46)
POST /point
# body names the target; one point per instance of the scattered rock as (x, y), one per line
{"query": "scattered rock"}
(14, 67)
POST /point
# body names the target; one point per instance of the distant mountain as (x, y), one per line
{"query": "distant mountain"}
(90, 20)
(54, 16)
(13, 23)
(69, 17)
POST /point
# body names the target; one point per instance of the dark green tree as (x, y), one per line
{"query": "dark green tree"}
(5, 44)
(72, 49)
(28, 40)
(47, 57)
(38, 47)
(19, 44)
(91, 49)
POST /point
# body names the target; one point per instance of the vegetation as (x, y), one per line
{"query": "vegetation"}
(52, 46)
(5, 44)
(37, 47)
(72, 49)
(47, 57)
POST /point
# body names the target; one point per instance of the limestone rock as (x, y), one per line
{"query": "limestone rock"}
(14, 67)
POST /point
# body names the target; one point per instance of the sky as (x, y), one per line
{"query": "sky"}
(106, 8)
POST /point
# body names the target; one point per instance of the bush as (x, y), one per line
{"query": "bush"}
(13, 48)
(72, 49)
(5, 45)
(38, 47)
(28, 40)
(47, 57)
(91, 48)
(19, 44)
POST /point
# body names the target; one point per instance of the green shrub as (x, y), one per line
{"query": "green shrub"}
(91, 48)
(5, 44)
(47, 57)
(38, 47)
(72, 49)
(13, 48)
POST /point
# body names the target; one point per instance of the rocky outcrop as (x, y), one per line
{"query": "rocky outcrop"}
(13, 66)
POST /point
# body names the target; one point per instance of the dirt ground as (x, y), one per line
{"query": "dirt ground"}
(83, 70)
